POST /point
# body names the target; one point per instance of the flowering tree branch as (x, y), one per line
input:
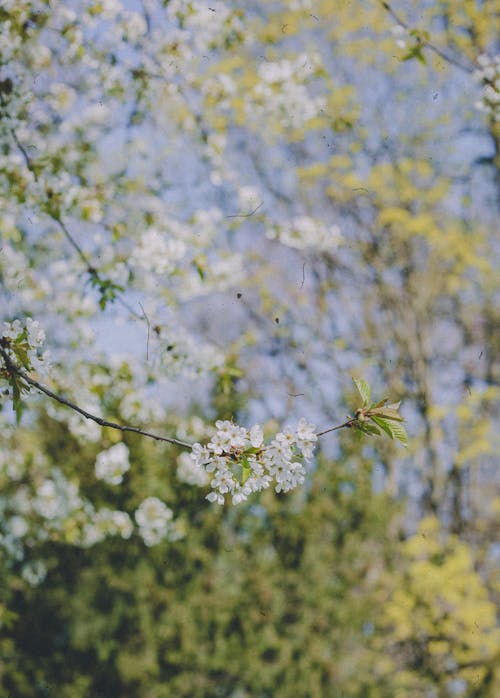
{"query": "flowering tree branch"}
(423, 39)
(109, 291)
(236, 461)
(12, 368)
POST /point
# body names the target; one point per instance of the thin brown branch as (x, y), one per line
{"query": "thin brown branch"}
(246, 215)
(149, 327)
(12, 368)
(27, 159)
(90, 268)
(347, 424)
(83, 256)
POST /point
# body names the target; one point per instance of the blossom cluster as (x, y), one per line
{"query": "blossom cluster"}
(51, 507)
(154, 519)
(239, 462)
(488, 74)
(303, 232)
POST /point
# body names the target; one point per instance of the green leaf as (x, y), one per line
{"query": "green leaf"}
(386, 413)
(400, 433)
(200, 270)
(369, 429)
(22, 357)
(415, 52)
(363, 389)
(383, 425)
(381, 403)
(245, 470)
(17, 403)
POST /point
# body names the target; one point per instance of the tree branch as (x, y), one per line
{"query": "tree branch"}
(425, 42)
(91, 270)
(27, 159)
(347, 424)
(12, 368)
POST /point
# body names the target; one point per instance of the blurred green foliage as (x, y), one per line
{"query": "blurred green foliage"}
(314, 594)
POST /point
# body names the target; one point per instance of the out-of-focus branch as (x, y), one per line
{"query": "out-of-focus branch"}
(425, 42)
(90, 268)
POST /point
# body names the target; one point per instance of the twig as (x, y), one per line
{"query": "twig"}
(12, 368)
(149, 327)
(349, 423)
(98, 420)
(85, 259)
(27, 159)
(426, 42)
(90, 268)
(55, 217)
(246, 215)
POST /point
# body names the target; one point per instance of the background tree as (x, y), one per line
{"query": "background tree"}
(217, 212)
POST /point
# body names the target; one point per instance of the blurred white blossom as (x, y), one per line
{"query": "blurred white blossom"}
(190, 472)
(154, 520)
(488, 74)
(304, 232)
(110, 465)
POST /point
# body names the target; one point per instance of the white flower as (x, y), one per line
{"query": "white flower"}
(110, 522)
(190, 471)
(34, 572)
(238, 470)
(157, 252)
(305, 232)
(47, 502)
(306, 431)
(153, 517)
(36, 336)
(200, 454)
(489, 76)
(215, 497)
(11, 330)
(306, 438)
(256, 436)
(152, 511)
(18, 526)
(111, 464)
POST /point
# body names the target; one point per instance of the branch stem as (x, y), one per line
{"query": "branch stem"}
(98, 420)
(449, 59)
(12, 368)
(349, 423)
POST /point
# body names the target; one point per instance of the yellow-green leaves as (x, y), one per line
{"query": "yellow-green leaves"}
(375, 418)
(363, 389)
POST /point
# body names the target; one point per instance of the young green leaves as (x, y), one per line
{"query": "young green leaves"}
(374, 418)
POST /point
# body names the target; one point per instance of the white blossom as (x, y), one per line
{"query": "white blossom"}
(34, 572)
(304, 232)
(488, 74)
(190, 472)
(240, 463)
(27, 337)
(157, 252)
(110, 465)
(154, 520)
